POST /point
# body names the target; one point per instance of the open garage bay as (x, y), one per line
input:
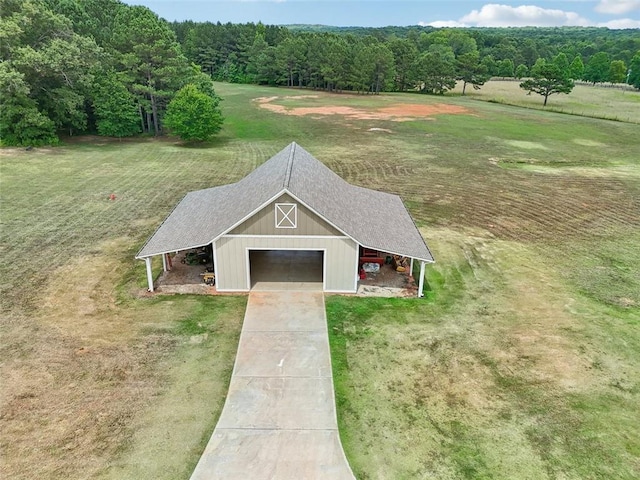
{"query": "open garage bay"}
(286, 269)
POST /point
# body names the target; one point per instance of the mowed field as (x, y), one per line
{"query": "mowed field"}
(522, 362)
(606, 102)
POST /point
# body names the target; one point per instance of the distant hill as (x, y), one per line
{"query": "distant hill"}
(516, 32)
(374, 31)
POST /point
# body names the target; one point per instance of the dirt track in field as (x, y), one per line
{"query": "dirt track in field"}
(400, 112)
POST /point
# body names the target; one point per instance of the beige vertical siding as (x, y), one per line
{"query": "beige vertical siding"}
(264, 222)
(340, 258)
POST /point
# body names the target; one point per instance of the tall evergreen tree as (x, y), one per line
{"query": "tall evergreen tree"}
(471, 71)
(258, 60)
(436, 70)
(373, 68)
(333, 63)
(149, 52)
(291, 55)
(405, 53)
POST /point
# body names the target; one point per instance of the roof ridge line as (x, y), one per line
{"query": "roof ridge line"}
(287, 175)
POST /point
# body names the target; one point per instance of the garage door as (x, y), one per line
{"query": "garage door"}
(290, 269)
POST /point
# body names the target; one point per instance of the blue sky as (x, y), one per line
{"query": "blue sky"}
(377, 13)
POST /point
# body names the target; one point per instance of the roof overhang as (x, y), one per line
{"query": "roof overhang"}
(363, 215)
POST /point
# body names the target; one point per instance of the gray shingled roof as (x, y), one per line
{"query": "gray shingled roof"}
(374, 219)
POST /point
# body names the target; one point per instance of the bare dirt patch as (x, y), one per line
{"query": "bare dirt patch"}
(23, 151)
(401, 112)
(68, 403)
(81, 294)
(413, 110)
(530, 310)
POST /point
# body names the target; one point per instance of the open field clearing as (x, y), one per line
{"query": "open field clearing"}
(586, 100)
(523, 362)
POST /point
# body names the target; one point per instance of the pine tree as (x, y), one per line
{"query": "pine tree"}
(547, 79)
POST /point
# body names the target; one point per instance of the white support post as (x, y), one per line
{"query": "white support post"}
(164, 262)
(411, 268)
(147, 260)
(421, 283)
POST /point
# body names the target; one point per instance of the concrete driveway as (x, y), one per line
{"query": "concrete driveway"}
(279, 419)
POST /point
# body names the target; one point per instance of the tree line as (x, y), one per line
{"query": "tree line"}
(403, 58)
(89, 66)
(104, 67)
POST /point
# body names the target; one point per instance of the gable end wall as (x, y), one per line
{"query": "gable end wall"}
(263, 222)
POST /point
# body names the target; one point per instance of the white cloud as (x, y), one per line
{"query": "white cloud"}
(495, 15)
(621, 23)
(617, 7)
(443, 24)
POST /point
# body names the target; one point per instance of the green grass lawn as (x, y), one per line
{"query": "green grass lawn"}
(523, 361)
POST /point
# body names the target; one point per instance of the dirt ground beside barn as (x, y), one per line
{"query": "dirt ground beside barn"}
(185, 278)
(388, 277)
(182, 273)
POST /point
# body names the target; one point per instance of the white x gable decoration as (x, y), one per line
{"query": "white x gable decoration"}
(286, 215)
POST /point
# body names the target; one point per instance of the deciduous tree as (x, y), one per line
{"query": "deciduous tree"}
(53, 64)
(506, 68)
(576, 69)
(597, 68)
(490, 64)
(617, 71)
(634, 71)
(21, 123)
(521, 71)
(193, 115)
(115, 107)
(562, 62)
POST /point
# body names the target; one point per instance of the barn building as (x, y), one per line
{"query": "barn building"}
(291, 205)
